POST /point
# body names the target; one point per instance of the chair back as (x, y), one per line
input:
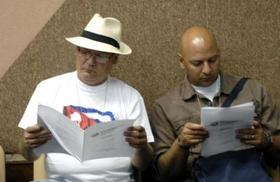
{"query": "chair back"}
(2, 165)
(39, 171)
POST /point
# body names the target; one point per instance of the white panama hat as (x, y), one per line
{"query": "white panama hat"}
(102, 34)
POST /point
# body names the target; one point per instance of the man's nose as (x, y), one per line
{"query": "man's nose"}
(206, 68)
(91, 59)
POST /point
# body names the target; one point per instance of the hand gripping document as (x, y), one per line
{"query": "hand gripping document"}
(98, 141)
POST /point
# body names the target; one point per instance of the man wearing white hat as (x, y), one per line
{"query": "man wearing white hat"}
(89, 96)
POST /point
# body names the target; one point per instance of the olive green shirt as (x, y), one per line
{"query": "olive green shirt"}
(182, 104)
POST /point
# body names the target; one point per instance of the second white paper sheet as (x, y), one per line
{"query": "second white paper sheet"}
(98, 141)
(222, 123)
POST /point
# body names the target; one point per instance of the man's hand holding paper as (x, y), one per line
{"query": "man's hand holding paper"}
(136, 136)
(192, 134)
(254, 135)
(34, 136)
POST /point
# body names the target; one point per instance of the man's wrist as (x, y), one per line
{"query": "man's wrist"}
(144, 148)
(181, 144)
(268, 139)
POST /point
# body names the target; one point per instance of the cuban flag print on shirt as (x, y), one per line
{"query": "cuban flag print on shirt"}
(85, 117)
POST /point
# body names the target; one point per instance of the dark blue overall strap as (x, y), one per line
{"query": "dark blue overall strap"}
(234, 92)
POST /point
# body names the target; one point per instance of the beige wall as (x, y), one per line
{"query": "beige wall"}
(247, 32)
(20, 21)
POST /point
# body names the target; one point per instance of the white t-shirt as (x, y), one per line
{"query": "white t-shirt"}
(211, 91)
(112, 100)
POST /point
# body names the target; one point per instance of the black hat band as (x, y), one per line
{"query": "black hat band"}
(100, 38)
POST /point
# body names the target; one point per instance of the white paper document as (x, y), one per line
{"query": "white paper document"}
(98, 141)
(222, 123)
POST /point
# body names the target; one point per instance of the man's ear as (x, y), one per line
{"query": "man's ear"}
(77, 50)
(181, 63)
(115, 58)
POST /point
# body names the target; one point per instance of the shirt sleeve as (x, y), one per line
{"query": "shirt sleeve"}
(137, 110)
(269, 113)
(163, 130)
(29, 117)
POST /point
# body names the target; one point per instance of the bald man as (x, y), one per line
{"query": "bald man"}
(176, 115)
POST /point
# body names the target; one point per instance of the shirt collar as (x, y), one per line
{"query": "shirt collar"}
(187, 91)
(230, 83)
(210, 91)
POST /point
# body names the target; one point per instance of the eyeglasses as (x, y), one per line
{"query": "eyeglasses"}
(98, 56)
